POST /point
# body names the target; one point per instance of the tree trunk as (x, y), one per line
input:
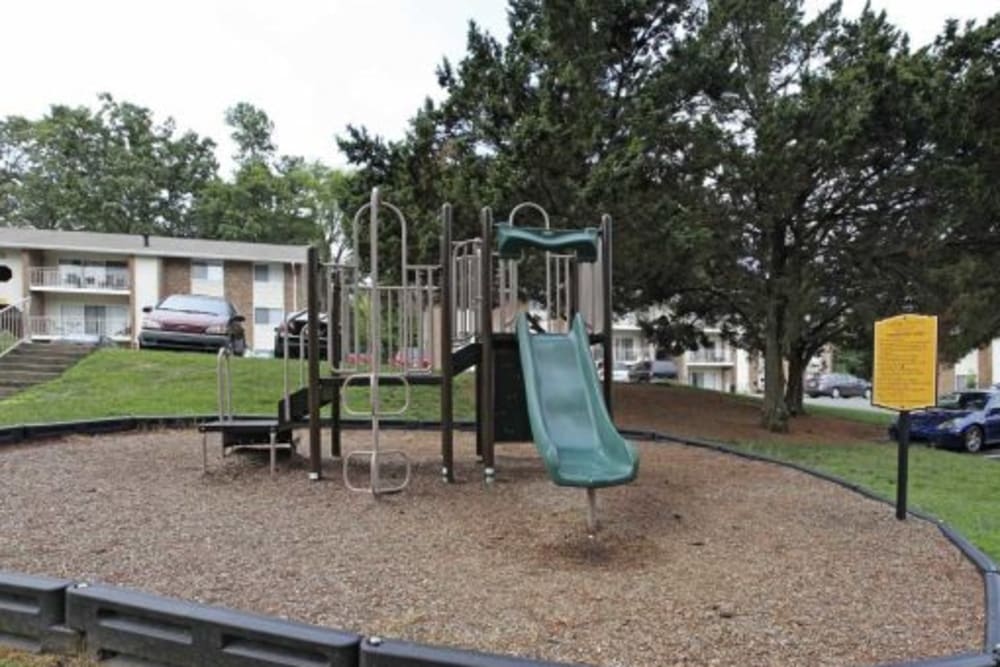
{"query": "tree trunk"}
(775, 412)
(794, 390)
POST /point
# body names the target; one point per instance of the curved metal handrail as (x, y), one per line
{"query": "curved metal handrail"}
(526, 205)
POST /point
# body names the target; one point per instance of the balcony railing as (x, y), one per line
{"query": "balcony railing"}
(710, 357)
(54, 277)
(43, 326)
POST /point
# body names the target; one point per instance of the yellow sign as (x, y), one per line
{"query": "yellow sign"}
(905, 376)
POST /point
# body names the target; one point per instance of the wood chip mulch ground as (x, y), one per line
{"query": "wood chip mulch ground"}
(716, 416)
(706, 560)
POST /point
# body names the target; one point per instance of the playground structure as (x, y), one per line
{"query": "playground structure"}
(535, 377)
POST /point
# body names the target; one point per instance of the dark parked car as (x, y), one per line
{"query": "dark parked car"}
(193, 322)
(651, 371)
(837, 385)
(292, 329)
(964, 420)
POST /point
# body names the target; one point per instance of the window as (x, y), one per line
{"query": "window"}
(624, 349)
(268, 316)
(211, 271)
(262, 273)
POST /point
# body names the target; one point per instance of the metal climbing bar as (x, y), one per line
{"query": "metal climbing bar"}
(387, 333)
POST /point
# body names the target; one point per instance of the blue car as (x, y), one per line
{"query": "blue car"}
(965, 420)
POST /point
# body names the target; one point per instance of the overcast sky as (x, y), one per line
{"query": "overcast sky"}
(313, 66)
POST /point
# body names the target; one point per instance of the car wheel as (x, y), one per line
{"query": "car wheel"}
(973, 439)
(835, 393)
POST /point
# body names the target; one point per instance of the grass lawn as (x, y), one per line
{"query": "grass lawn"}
(958, 488)
(853, 414)
(118, 383)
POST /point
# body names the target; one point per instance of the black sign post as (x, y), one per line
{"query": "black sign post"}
(902, 463)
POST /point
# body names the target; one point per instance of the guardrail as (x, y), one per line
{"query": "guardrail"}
(121, 622)
(33, 613)
(59, 616)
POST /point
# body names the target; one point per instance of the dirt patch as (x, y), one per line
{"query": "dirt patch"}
(717, 416)
(705, 559)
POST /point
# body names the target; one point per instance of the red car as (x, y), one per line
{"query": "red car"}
(193, 322)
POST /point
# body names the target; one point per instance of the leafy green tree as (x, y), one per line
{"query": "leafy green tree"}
(252, 130)
(961, 284)
(540, 117)
(112, 170)
(271, 198)
(812, 132)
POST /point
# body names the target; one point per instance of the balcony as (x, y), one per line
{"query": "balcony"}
(59, 279)
(710, 357)
(46, 327)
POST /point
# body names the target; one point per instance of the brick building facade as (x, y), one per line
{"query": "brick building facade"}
(91, 286)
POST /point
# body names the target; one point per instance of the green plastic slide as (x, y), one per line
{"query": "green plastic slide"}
(571, 427)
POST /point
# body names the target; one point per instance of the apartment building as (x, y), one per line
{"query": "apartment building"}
(90, 286)
(716, 365)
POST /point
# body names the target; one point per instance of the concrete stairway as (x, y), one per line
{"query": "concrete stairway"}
(32, 363)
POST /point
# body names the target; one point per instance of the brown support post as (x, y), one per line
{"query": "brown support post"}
(333, 331)
(606, 307)
(479, 406)
(447, 371)
(312, 296)
(486, 412)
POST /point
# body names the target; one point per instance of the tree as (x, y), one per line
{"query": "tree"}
(252, 129)
(812, 132)
(541, 117)
(961, 283)
(272, 198)
(113, 170)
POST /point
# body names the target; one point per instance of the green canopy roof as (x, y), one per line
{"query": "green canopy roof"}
(511, 241)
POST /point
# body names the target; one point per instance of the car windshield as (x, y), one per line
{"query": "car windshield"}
(964, 401)
(195, 304)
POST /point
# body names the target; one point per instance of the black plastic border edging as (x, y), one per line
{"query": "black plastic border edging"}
(376, 652)
(150, 627)
(987, 568)
(991, 573)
